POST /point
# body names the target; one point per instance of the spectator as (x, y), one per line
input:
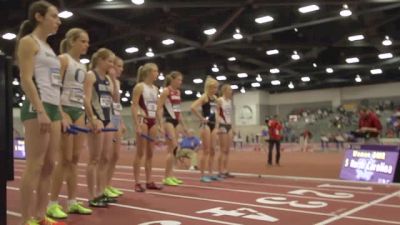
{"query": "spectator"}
(306, 137)
(275, 136)
(369, 125)
(188, 149)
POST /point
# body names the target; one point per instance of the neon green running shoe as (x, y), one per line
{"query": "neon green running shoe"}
(32, 222)
(169, 182)
(176, 180)
(56, 211)
(108, 193)
(77, 208)
(115, 190)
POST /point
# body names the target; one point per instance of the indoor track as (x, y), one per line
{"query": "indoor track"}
(246, 199)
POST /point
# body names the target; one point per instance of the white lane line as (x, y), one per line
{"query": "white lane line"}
(257, 184)
(277, 177)
(12, 213)
(250, 192)
(257, 192)
(219, 201)
(368, 188)
(140, 209)
(372, 219)
(357, 209)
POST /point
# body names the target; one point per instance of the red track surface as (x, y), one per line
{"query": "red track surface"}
(243, 200)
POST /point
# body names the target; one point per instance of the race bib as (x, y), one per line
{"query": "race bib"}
(151, 109)
(76, 95)
(55, 77)
(105, 101)
(212, 108)
(176, 108)
(117, 108)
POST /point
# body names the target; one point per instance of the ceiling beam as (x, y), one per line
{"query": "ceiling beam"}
(115, 5)
(227, 23)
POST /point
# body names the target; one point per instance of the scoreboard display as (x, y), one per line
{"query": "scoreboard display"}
(372, 163)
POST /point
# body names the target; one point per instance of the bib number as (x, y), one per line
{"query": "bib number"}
(76, 95)
(105, 101)
(151, 109)
(55, 77)
(176, 108)
(117, 108)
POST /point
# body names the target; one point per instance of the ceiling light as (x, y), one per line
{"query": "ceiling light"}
(234, 86)
(255, 84)
(9, 36)
(274, 70)
(168, 41)
(16, 94)
(215, 68)
(131, 50)
(345, 11)
(15, 82)
(329, 70)
(385, 55)
(264, 19)
(352, 60)
(65, 14)
(124, 99)
(295, 55)
(120, 91)
(161, 89)
(358, 79)
(272, 52)
(137, 2)
(188, 92)
(109, 0)
(232, 59)
(275, 82)
(309, 8)
(127, 94)
(237, 35)
(314, 65)
(296, 30)
(197, 81)
(305, 79)
(357, 37)
(376, 71)
(210, 31)
(290, 85)
(198, 94)
(23, 98)
(161, 76)
(242, 75)
(387, 41)
(221, 77)
(150, 53)
(84, 61)
(242, 90)
(258, 78)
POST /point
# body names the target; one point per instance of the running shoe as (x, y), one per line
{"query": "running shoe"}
(139, 188)
(215, 178)
(56, 211)
(228, 175)
(205, 179)
(108, 193)
(115, 190)
(77, 208)
(153, 186)
(222, 175)
(106, 199)
(49, 221)
(176, 180)
(98, 202)
(32, 222)
(169, 182)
